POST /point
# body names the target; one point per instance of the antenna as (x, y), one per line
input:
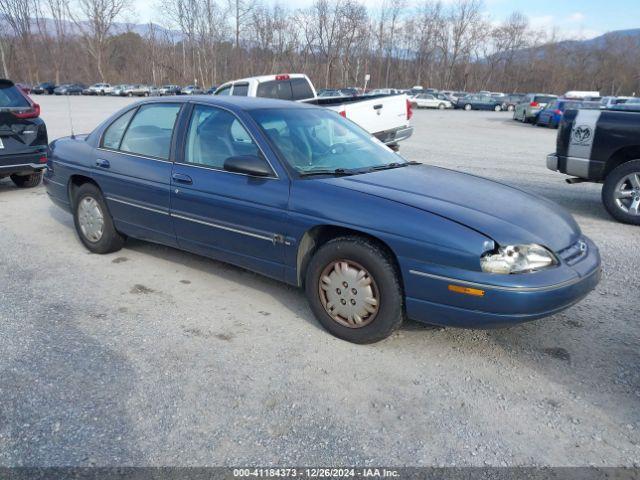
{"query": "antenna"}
(73, 135)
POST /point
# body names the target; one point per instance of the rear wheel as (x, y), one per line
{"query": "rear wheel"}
(510, 108)
(621, 193)
(93, 221)
(442, 106)
(497, 108)
(353, 288)
(27, 181)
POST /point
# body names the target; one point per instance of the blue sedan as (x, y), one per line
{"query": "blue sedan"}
(300, 194)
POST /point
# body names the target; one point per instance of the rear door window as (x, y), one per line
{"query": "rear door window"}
(149, 133)
(300, 89)
(275, 89)
(240, 90)
(10, 96)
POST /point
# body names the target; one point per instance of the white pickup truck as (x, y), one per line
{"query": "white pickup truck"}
(384, 116)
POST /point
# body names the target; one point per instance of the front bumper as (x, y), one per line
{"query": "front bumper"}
(22, 164)
(511, 300)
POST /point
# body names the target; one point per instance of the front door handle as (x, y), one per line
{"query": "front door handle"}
(102, 163)
(182, 178)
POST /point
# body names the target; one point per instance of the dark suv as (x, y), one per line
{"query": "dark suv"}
(23, 137)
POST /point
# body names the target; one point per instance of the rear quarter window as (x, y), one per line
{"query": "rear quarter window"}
(543, 99)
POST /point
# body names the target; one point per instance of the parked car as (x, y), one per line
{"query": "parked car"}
(511, 100)
(633, 105)
(552, 114)
(136, 90)
(212, 90)
(169, 90)
(479, 102)
(44, 88)
(23, 137)
(427, 100)
(603, 146)
(118, 90)
(191, 90)
(330, 93)
(69, 89)
(609, 102)
(299, 194)
(387, 117)
(533, 104)
(350, 91)
(98, 89)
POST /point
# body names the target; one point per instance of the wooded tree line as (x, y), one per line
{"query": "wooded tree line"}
(336, 42)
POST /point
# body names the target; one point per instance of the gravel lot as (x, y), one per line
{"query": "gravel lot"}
(152, 356)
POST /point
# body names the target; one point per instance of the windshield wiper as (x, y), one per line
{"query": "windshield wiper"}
(392, 165)
(336, 172)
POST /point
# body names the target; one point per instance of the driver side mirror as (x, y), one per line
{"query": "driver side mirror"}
(253, 165)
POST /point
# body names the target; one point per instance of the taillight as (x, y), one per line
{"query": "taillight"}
(409, 110)
(534, 104)
(558, 112)
(31, 112)
(343, 113)
(282, 77)
(43, 159)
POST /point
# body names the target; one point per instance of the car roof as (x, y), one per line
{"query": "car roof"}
(233, 103)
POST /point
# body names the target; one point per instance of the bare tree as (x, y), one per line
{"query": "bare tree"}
(18, 14)
(95, 20)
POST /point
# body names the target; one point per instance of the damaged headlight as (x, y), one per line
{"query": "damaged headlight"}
(517, 259)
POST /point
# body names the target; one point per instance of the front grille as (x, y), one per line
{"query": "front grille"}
(574, 253)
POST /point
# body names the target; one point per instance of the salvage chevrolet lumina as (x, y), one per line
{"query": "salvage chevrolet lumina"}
(303, 195)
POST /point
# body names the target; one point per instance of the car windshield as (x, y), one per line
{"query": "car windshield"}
(321, 141)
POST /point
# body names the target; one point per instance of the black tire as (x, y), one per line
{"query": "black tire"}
(27, 181)
(468, 107)
(442, 106)
(381, 268)
(497, 108)
(510, 108)
(609, 190)
(111, 240)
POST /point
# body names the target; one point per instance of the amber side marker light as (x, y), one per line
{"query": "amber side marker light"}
(466, 290)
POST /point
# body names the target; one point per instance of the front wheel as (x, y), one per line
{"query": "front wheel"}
(621, 193)
(497, 108)
(442, 106)
(467, 107)
(510, 108)
(27, 181)
(353, 288)
(93, 221)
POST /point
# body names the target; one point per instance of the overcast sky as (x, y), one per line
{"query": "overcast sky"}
(570, 18)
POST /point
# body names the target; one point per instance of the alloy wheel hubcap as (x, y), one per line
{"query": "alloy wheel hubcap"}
(91, 219)
(627, 194)
(349, 294)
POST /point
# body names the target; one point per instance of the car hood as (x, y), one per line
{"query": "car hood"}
(506, 214)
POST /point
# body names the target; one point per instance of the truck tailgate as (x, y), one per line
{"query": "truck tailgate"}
(378, 114)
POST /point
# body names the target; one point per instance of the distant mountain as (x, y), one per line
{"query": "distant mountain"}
(142, 29)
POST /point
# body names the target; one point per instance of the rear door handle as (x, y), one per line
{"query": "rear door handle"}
(378, 107)
(182, 178)
(102, 163)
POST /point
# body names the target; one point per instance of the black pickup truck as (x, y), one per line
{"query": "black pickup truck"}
(23, 137)
(603, 146)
